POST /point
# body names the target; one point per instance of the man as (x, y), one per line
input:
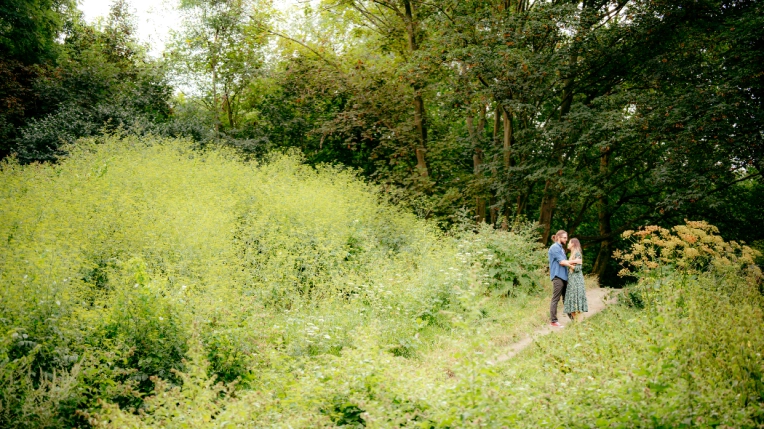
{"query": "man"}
(558, 272)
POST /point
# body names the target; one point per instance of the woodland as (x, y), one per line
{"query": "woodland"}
(337, 216)
(595, 117)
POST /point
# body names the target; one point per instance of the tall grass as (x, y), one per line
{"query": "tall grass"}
(140, 267)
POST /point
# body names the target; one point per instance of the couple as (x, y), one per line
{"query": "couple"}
(568, 286)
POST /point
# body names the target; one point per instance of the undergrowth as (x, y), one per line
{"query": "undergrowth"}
(144, 281)
(144, 284)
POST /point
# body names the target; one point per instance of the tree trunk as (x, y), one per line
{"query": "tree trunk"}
(496, 122)
(481, 121)
(228, 110)
(477, 161)
(215, 103)
(419, 108)
(213, 66)
(603, 218)
(471, 129)
(548, 203)
(508, 138)
(522, 201)
(421, 127)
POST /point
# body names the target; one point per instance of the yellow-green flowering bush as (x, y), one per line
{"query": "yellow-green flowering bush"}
(144, 284)
(135, 268)
(689, 248)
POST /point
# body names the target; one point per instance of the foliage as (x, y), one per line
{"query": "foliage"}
(131, 255)
(511, 260)
(593, 117)
(688, 249)
(101, 79)
(218, 53)
(692, 357)
(692, 360)
(148, 283)
(28, 29)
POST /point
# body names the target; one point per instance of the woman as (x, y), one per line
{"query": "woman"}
(575, 296)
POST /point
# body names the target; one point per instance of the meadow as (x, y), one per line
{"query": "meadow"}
(144, 283)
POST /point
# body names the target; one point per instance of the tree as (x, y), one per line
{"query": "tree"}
(399, 23)
(29, 28)
(218, 53)
(103, 80)
(612, 117)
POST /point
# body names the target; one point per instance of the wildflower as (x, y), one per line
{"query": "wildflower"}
(690, 253)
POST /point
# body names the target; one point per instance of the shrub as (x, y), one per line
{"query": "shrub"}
(511, 260)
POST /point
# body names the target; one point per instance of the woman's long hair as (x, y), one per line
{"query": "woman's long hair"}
(575, 245)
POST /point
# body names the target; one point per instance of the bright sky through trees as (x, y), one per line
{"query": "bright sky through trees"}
(155, 18)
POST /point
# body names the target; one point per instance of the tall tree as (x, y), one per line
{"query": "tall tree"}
(219, 51)
(613, 110)
(399, 22)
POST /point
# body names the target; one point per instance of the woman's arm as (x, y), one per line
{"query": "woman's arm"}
(571, 263)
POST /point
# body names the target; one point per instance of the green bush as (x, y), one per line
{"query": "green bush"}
(511, 259)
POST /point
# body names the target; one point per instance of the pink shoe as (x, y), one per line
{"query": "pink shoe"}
(557, 325)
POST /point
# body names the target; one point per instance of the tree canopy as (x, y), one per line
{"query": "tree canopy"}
(593, 116)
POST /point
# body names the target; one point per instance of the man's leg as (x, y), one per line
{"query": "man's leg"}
(562, 295)
(559, 291)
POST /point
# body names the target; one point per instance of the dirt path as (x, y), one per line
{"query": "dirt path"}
(598, 299)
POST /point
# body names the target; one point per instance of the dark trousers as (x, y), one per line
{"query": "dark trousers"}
(560, 286)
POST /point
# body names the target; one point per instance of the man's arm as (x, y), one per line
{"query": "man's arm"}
(560, 255)
(571, 263)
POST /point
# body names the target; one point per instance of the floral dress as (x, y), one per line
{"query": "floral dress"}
(575, 296)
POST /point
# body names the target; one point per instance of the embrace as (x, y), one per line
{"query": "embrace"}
(568, 286)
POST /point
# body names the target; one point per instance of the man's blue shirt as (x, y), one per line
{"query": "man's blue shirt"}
(557, 254)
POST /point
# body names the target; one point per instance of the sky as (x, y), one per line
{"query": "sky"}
(155, 18)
